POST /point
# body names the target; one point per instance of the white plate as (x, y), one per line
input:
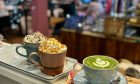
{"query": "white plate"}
(9, 58)
(80, 78)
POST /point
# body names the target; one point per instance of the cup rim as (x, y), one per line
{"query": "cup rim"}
(102, 56)
(32, 43)
(53, 53)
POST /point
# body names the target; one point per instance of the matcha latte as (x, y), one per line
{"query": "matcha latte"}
(100, 62)
(100, 69)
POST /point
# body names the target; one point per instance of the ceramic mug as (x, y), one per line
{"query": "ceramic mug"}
(29, 47)
(100, 69)
(50, 64)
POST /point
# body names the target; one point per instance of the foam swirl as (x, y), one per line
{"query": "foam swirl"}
(101, 63)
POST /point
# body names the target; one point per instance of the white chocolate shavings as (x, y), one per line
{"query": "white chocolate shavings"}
(36, 37)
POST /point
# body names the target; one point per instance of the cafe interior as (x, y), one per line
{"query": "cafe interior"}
(50, 41)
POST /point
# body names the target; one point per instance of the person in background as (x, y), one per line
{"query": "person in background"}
(95, 11)
(103, 2)
(131, 7)
(108, 7)
(4, 17)
(3, 11)
(51, 6)
(16, 12)
(94, 16)
(138, 5)
(68, 6)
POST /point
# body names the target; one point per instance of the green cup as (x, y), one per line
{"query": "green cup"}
(100, 69)
(29, 47)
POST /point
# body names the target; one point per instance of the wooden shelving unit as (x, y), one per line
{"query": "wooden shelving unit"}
(133, 24)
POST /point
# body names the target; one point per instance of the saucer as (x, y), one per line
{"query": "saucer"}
(79, 78)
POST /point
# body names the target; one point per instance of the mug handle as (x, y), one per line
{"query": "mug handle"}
(20, 53)
(32, 60)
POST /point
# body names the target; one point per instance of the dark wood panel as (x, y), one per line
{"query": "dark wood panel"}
(69, 38)
(101, 46)
(129, 51)
(111, 48)
(82, 45)
(137, 58)
(88, 46)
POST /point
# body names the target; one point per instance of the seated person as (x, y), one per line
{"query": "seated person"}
(4, 17)
(17, 11)
(68, 7)
(3, 11)
(75, 22)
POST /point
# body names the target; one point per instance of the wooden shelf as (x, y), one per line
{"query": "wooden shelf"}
(133, 24)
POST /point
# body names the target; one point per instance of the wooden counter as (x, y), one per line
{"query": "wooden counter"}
(83, 44)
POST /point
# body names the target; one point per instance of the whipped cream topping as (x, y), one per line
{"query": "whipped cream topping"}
(52, 46)
(36, 37)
